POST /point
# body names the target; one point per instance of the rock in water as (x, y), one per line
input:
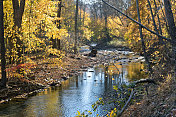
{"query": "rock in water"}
(93, 53)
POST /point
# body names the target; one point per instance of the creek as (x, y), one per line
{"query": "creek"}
(80, 92)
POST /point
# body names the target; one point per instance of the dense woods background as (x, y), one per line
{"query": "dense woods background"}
(55, 27)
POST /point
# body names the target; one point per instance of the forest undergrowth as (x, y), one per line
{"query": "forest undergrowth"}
(160, 101)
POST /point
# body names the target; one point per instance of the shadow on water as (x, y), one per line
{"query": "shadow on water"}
(77, 93)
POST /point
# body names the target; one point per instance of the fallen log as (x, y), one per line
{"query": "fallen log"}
(132, 93)
(145, 81)
(128, 101)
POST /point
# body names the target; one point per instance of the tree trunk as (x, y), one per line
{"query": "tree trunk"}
(76, 27)
(154, 23)
(156, 12)
(141, 36)
(106, 23)
(172, 30)
(58, 46)
(84, 14)
(80, 5)
(106, 28)
(18, 13)
(3, 60)
(164, 16)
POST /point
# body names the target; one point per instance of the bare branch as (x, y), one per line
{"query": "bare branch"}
(172, 41)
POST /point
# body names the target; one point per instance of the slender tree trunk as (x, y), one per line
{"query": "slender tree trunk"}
(80, 20)
(80, 17)
(172, 30)
(154, 23)
(18, 10)
(58, 46)
(164, 16)
(59, 13)
(3, 60)
(76, 27)
(106, 26)
(141, 36)
(106, 23)
(84, 14)
(156, 12)
(101, 13)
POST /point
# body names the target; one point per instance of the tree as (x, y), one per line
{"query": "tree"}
(106, 14)
(59, 22)
(76, 27)
(153, 50)
(172, 29)
(141, 36)
(3, 60)
(18, 10)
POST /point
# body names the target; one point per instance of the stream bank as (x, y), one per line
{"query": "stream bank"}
(45, 75)
(160, 101)
(84, 90)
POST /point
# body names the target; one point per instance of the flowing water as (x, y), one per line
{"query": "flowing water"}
(77, 93)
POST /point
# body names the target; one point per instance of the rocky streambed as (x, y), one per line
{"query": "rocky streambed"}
(46, 75)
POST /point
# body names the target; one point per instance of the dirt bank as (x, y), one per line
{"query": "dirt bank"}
(160, 101)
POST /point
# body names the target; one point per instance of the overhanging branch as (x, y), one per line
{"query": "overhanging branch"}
(138, 22)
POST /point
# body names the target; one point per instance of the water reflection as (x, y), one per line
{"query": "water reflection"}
(135, 71)
(76, 94)
(128, 72)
